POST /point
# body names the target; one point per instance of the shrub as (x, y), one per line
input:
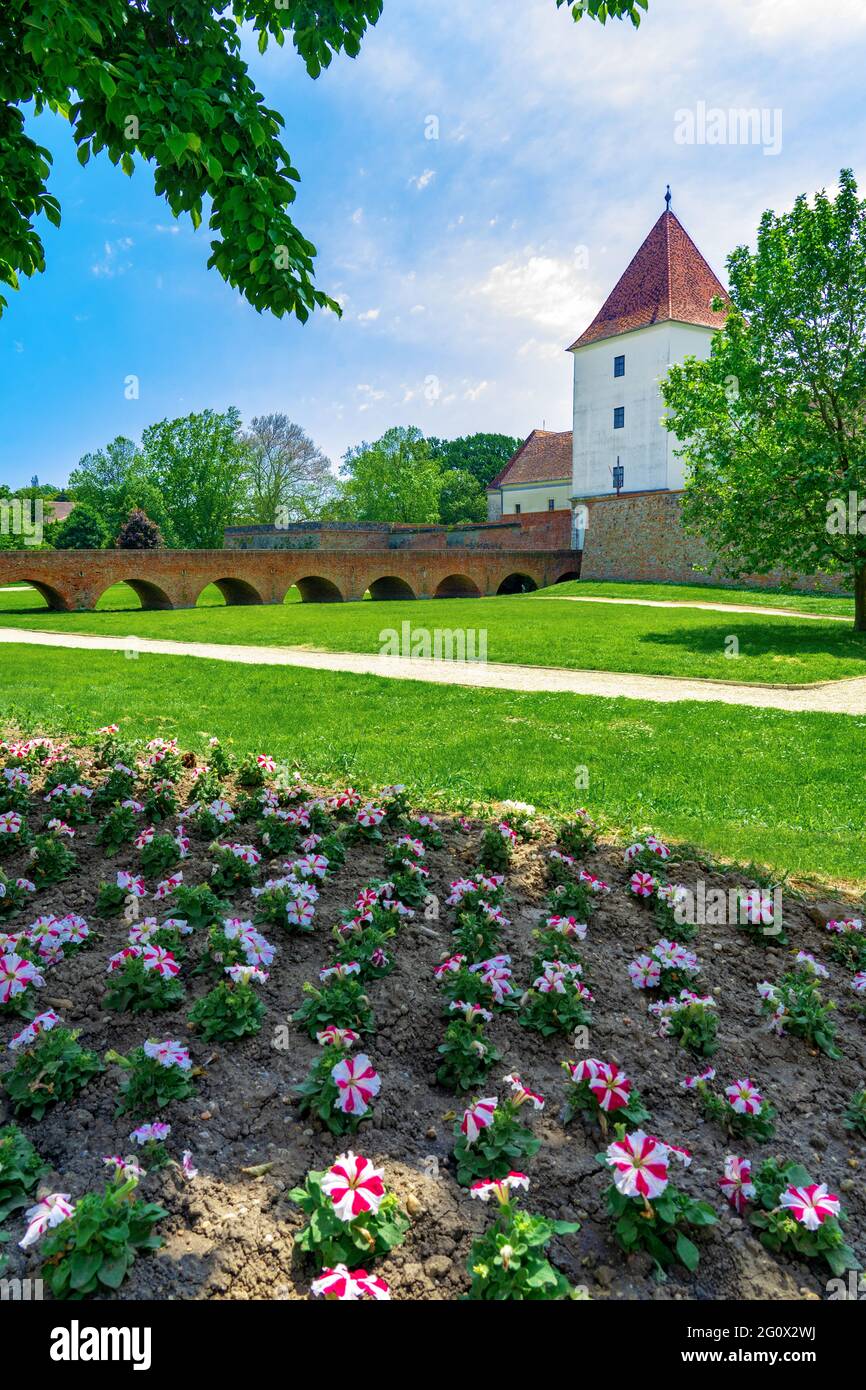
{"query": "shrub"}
(138, 532)
(351, 1215)
(508, 1262)
(54, 1067)
(95, 1247)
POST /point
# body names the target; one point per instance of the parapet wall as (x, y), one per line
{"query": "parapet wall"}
(530, 531)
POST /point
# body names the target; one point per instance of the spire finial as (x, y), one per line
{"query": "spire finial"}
(668, 199)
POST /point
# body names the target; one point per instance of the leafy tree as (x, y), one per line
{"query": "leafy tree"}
(197, 465)
(165, 81)
(461, 498)
(83, 529)
(138, 532)
(289, 478)
(774, 420)
(482, 455)
(112, 482)
(395, 479)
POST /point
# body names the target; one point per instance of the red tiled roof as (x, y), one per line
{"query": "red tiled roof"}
(544, 457)
(668, 279)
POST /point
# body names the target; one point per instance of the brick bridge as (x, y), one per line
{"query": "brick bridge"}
(76, 579)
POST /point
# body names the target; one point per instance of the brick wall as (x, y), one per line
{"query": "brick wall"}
(640, 537)
(532, 531)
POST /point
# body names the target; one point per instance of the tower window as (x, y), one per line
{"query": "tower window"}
(517, 509)
(551, 504)
(618, 417)
(619, 366)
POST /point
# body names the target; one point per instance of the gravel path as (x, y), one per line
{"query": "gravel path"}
(833, 697)
(710, 607)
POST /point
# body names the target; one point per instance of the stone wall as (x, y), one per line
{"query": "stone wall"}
(532, 531)
(640, 537)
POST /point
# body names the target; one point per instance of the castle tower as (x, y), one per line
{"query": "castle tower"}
(659, 312)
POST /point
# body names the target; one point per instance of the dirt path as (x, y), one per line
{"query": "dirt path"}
(709, 607)
(831, 697)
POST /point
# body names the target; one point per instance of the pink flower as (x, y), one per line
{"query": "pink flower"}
(339, 1285)
(736, 1182)
(370, 816)
(642, 884)
(161, 960)
(154, 1133)
(357, 1084)
(585, 1070)
(168, 885)
(610, 1086)
(568, 927)
(169, 1053)
(812, 966)
(757, 908)
(131, 883)
(42, 1024)
(17, 975)
(478, 1117)
(520, 1094)
(858, 983)
(691, 1082)
(266, 762)
(332, 1036)
(595, 885)
(189, 1168)
(44, 1216)
(645, 972)
(10, 823)
(339, 972)
(810, 1205)
(449, 966)
(500, 1188)
(246, 974)
(744, 1097)
(354, 1186)
(470, 1012)
(641, 1164)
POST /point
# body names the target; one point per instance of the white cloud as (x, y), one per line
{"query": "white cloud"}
(369, 316)
(113, 262)
(549, 290)
(422, 181)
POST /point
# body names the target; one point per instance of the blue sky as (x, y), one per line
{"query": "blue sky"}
(465, 264)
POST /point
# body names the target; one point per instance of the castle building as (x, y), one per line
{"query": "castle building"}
(659, 312)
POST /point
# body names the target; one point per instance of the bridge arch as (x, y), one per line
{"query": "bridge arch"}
(457, 586)
(236, 592)
(315, 588)
(569, 574)
(149, 595)
(517, 583)
(53, 597)
(391, 586)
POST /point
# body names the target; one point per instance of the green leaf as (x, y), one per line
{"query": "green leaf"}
(83, 1266)
(688, 1252)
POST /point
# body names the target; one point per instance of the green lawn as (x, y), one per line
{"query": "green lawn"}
(524, 629)
(783, 789)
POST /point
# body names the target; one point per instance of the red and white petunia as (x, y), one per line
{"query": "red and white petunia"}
(610, 1086)
(500, 1188)
(266, 762)
(354, 1186)
(43, 1023)
(757, 908)
(161, 960)
(16, 976)
(370, 816)
(673, 956)
(585, 1070)
(10, 823)
(744, 1097)
(449, 966)
(569, 927)
(155, 1133)
(858, 983)
(133, 884)
(300, 912)
(44, 1216)
(471, 1012)
(339, 1285)
(641, 1165)
(657, 846)
(332, 1036)
(642, 884)
(844, 927)
(341, 971)
(645, 972)
(119, 959)
(595, 885)
(478, 1117)
(246, 974)
(169, 1053)
(168, 885)
(521, 1094)
(186, 1162)
(124, 1168)
(810, 1205)
(812, 966)
(357, 1083)
(736, 1182)
(690, 1083)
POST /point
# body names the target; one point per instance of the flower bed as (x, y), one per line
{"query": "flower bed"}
(246, 981)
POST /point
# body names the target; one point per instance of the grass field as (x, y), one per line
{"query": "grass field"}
(783, 789)
(528, 630)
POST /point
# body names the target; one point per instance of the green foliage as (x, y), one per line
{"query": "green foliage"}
(147, 1085)
(395, 479)
(231, 1010)
(20, 1170)
(855, 1114)
(482, 456)
(656, 1226)
(548, 1012)
(112, 482)
(318, 1093)
(508, 1262)
(83, 529)
(55, 1067)
(199, 905)
(466, 1056)
(134, 989)
(504, 1147)
(781, 1231)
(159, 855)
(94, 1248)
(118, 828)
(197, 465)
(461, 498)
(494, 855)
(51, 860)
(340, 1000)
(695, 1025)
(755, 1129)
(774, 419)
(806, 1013)
(332, 1241)
(603, 10)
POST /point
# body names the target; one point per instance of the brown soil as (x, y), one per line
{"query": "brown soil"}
(230, 1235)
